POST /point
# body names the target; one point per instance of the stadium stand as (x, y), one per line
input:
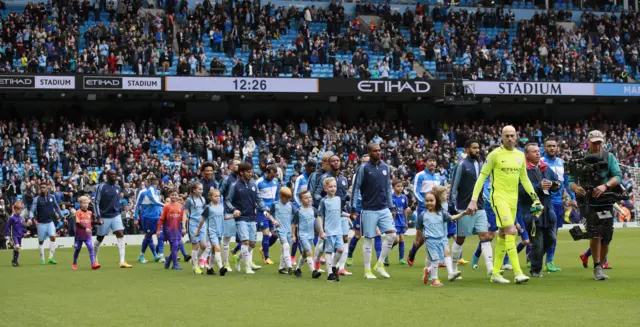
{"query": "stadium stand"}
(426, 40)
(73, 155)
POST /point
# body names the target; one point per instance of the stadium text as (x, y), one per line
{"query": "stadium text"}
(531, 88)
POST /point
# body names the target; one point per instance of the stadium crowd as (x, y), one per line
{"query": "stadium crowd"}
(72, 157)
(241, 38)
(74, 38)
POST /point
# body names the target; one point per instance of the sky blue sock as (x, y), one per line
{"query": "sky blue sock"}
(401, 249)
(378, 245)
(265, 245)
(478, 250)
(352, 246)
(588, 253)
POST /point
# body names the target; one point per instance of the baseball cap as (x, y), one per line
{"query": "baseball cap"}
(596, 136)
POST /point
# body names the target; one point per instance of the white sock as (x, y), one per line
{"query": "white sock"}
(250, 255)
(281, 264)
(456, 252)
(434, 269)
(244, 250)
(387, 244)
(300, 262)
(96, 249)
(366, 252)
(319, 250)
(329, 262)
(207, 252)
(337, 257)
(218, 258)
(121, 249)
(286, 254)
(52, 249)
(225, 249)
(311, 263)
(344, 256)
(41, 248)
(194, 258)
(449, 264)
(211, 262)
(487, 254)
(427, 262)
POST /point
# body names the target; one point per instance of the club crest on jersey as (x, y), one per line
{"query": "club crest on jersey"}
(253, 188)
(384, 172)
(344, 183)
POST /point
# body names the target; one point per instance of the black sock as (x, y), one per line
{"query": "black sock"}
(596, 265)
(412, 253)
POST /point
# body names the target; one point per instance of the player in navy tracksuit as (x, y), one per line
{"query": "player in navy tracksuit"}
(243, 200)
(373, 182)
(44, 210)
(229, 225)
(107, 212)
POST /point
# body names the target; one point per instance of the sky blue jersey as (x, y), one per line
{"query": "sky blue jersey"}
(194, 207)
(283, 213)
(304, 219)
(331, 213)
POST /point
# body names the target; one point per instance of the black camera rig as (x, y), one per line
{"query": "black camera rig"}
(588, 170)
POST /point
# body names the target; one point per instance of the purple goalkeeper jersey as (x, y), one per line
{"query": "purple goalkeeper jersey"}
(14, 227)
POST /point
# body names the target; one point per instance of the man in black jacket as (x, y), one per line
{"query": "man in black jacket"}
(5, 211)
(183, 68)
(542, 228)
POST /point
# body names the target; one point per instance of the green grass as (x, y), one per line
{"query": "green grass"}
(148, 295)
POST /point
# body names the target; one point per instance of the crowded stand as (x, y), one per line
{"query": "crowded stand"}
(72, 156)
(426, 40)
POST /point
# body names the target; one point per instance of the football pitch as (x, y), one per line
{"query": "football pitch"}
(149, 295)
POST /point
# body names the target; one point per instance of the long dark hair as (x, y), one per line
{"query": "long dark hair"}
(438, 202)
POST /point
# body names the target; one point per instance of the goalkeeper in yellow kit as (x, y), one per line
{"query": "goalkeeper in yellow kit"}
(507, 167)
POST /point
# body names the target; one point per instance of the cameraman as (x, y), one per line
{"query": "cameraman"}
(599, 217)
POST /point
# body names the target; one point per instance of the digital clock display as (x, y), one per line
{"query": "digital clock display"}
(241, 84)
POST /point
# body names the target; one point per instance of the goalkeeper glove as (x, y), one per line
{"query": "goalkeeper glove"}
(536, 208)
